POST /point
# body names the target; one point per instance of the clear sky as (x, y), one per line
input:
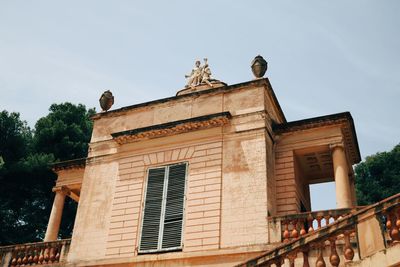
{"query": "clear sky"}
(324, 56)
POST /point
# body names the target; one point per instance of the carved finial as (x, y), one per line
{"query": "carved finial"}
(259, 66)
(200, 75)
(106, 100)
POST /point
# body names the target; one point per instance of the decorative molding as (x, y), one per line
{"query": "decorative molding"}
(173, 128)
(69, 164)
(343, 120)
(264, 82)
(66, 191)
(337, 145)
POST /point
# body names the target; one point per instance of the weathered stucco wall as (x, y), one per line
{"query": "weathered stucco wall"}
(291, 184)
(226, 197)
(203, 201)
(244, 198)
(70, 177)
(287, 200)
(240, 101)
(93, 215)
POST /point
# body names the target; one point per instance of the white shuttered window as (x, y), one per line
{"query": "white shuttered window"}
(163, 209)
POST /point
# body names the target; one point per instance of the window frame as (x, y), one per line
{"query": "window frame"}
(163, 209)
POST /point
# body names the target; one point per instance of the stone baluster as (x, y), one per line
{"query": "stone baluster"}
(46, 254)
(286, 233)
(36, 256)
(390, 224)
(327, 217)
(320, 260)
(335, 218)
(52, 255)
(398, 224)
(310, 225)
(305, 259)
(25, 255)
(294, 233)
(14, 258)
(303, 227)
(57, 253)
(292, 257)
(41, 255)
(30, 255)
(348, 250)
(19, 256)
(334, 257)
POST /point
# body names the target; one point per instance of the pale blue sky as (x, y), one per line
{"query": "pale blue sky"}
(324, 56)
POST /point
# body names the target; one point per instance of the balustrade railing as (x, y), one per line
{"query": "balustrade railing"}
(337, 239)
(40, 253)
(294, 225)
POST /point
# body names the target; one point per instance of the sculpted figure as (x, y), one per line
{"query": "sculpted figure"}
(199, 75)
(206, 74)
(195, 75)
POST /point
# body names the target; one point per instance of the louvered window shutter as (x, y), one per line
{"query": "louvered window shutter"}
(152, 210)
(172, 231)
(163, 209)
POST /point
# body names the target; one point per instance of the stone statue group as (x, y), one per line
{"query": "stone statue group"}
(199, 75)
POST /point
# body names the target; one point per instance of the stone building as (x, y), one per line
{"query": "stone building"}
(214, 176)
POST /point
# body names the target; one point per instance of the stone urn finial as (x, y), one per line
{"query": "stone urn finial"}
(106, 100)
(259, 66)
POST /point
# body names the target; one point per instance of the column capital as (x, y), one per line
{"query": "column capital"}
(61, 189)
(65, 191)
(336, 145)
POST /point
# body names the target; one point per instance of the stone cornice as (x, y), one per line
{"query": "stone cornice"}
(172, 128)
(253, 83)
(69, 164)
(343, 119)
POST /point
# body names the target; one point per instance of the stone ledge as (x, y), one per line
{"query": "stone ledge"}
(228, 88)
(172, 128)
(343, 119)
(236, 254)
(202, 87)
(69, 164)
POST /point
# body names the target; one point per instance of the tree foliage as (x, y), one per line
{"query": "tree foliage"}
(26, 177)
(64, 132)
(15, 137)
(378, 177)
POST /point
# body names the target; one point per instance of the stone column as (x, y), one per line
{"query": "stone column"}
(55, 216)
(341, 172)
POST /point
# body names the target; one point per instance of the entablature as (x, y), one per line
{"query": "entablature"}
(325, 130)
(172, 128)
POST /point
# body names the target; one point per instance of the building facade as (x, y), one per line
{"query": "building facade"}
(214, 176)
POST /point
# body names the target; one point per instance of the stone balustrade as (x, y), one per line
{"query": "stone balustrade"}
(392, 225)
(34, 253)
(295, 225)
(336, 242)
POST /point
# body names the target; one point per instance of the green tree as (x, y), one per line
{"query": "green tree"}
(26, 199)
(26, 177)
(65, 132)
(378, 177)
(15, 144)
(15, 137)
